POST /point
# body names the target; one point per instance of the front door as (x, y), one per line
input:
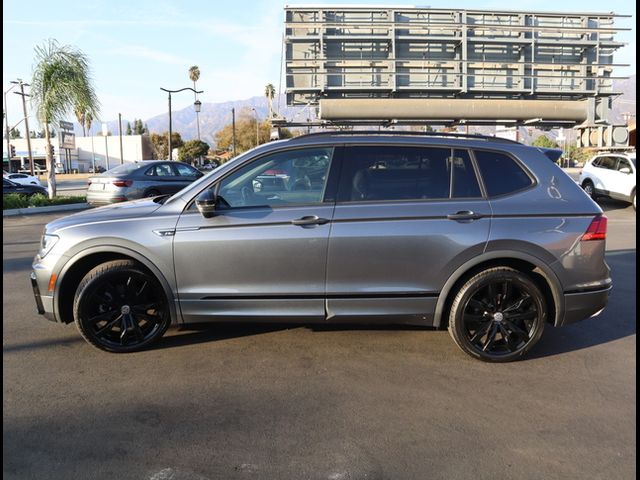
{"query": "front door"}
(405, 216)
(263, 255)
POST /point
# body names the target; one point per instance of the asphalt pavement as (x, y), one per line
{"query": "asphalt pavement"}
(276, 402)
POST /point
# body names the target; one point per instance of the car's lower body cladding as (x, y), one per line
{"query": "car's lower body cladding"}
(585, 304)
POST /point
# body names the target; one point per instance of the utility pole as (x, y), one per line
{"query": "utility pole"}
(169, 141)
(233, 128)
(120, 133)
(6, 127)
(26, 123)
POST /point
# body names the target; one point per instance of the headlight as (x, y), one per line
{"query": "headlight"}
(47, 243)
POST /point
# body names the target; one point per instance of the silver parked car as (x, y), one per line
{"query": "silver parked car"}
(135, 180)
(483, 236)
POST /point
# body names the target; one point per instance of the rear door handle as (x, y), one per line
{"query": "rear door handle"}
(464, 215)
(310, 220)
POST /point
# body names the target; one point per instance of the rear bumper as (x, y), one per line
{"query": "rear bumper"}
(582, 305)
(105, 198)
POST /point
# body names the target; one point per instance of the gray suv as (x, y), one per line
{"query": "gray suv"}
(479, 235)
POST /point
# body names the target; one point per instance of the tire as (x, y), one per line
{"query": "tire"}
(478, 315)
(590, 189)
(151, 193)
(119, 307)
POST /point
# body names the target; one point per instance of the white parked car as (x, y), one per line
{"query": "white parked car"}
(611, 175)
(23, 179)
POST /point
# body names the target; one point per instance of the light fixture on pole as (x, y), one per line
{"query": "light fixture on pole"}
(105, 133)
(196, 105)
(6, 126)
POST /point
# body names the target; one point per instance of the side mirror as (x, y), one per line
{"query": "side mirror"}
(626, 170)
(206, 203)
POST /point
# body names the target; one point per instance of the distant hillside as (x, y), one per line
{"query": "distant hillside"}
(214, 116)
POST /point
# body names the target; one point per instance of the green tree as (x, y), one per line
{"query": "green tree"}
(246, 133)
(544, 142)
(192, 150)
(61, 80)
(138, 129)
(145, 130)
(579, 155)
(80, 112)
(159, 142)
(88, 120)
(129, 131)
(14, 133)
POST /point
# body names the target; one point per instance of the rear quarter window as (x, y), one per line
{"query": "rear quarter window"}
(501, 173)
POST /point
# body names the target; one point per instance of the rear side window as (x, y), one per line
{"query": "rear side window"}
(501, 173)
(608, 163)
(406, 173)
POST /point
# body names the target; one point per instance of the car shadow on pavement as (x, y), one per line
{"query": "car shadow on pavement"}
(609, 204)
(616, 322)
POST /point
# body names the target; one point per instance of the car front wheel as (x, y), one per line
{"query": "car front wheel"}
(120, 307)
(498, 315)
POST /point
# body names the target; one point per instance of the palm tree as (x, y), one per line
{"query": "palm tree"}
(80, 116)
(270, 92)
(194, 76)
(61, 81)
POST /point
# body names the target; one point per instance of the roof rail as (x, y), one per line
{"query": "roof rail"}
(471, 136)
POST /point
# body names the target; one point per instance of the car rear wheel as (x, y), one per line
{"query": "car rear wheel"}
(119, 307)
(498, 315)
(589, 188)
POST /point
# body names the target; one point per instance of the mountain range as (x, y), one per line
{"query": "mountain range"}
(214, 116)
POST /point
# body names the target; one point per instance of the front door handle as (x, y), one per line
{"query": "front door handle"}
(310, 220)
(464, 215)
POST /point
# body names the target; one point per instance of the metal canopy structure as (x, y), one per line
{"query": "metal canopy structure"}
(335, 54)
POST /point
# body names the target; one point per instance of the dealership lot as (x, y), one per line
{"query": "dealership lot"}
(314, 402)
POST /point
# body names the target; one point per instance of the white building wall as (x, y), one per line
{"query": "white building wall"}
(86, 149)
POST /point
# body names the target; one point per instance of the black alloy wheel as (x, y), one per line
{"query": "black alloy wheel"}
(498, 315)
(119, 307)
(589, 189)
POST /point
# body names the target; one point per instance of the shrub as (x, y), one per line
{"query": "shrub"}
(21, 201)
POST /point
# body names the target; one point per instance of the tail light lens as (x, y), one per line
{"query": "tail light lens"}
(122, 183)
(597, 229)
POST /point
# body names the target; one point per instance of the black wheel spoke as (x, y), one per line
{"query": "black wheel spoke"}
(515, 329)
(530, 315)
(481, 332)
(512, 342)
(491, 338)
(506, 292)
(107, 316)
(517, 304)
(136, 329)
(478, 304)
(493, 294)
(108, 326)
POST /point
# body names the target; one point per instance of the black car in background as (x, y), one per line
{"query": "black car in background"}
(9, 187)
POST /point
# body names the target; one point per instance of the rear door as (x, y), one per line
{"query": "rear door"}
(405, 217)
(186, 174)
(624, 179)
(164, 178)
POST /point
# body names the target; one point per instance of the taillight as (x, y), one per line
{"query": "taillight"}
(597, 229)
(122, 183)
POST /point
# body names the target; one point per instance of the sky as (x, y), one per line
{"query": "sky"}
(137, 46)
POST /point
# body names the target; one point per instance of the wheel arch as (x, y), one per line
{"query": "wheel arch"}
(80, 264)
(541, 273)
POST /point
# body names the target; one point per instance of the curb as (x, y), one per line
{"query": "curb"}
(51, 209)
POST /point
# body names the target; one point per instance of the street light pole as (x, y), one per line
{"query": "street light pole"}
(257, 136)
(120, 134)
(196, 104)
(105, 134)
(26, 121)
(233, 129)
(6, 126)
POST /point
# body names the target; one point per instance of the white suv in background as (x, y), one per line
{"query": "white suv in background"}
(611, 175)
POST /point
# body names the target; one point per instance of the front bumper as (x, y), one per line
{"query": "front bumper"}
(582, 305)
(44, 303)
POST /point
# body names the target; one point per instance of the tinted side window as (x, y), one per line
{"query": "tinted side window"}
(501, 174)
(608, 162)
(280, 179)
(624, 163)
(464, 183)
(394, 173)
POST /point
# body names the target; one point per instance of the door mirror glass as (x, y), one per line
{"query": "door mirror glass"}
(626, 170)
(206, 203)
